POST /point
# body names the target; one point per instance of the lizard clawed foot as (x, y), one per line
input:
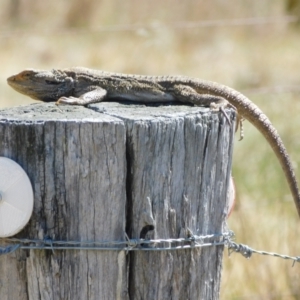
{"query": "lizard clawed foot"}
(68, 101)
(240, 122)
(225, 115)
(219, 106)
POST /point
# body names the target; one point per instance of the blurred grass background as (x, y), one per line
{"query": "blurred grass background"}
(252, 46)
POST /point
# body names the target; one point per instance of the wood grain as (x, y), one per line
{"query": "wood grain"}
(99, 171)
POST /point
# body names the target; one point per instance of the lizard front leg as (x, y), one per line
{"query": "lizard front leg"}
(93, 96)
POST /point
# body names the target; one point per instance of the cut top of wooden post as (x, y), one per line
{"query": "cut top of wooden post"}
(112, 168)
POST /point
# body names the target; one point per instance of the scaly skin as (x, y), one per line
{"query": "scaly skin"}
(82, 86)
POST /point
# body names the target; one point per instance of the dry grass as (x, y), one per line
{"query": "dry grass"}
(62, 34)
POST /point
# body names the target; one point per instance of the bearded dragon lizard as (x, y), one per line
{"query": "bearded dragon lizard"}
(82, 86)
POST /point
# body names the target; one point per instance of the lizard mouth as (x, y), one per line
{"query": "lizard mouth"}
(20, 86)
(21, 80)
(15, 83)
(11, 79)
(15, 78)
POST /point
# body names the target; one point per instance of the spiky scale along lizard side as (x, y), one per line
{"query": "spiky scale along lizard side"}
(82, 86)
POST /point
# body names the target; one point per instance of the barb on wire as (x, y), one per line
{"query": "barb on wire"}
(247, 252)
(9, 249)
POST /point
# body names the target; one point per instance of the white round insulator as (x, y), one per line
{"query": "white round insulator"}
(16, 198)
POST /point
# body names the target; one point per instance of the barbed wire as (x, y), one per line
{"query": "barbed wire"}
(154, 26)
(247, 252)
(190, 242)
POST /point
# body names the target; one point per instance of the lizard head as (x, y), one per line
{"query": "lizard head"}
(42, 85)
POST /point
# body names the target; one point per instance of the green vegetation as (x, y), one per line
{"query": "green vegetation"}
(170, 37)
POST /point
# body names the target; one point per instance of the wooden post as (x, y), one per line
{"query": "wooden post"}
(112, 168)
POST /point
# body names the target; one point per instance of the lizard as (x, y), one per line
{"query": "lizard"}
(83, 86)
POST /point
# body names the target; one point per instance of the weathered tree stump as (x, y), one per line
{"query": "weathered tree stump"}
(112, 168)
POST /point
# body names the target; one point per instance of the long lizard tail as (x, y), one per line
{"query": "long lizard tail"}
(251, 112)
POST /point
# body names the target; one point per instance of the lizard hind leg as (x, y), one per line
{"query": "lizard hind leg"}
(187, 94)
